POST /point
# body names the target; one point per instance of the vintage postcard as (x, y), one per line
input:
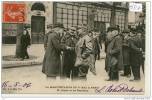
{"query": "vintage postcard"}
(75, 48)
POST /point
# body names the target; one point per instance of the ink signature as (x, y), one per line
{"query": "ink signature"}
(117, 88)
(8, 84)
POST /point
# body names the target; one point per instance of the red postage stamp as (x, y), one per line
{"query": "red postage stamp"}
(14, 12)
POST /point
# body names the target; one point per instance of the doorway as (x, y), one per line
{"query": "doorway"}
(37, 29)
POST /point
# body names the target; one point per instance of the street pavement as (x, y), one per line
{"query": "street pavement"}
(40, 83)
(35, 50)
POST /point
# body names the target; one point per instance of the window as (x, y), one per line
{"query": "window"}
(120, 20)
(76, 13)
(71, 14)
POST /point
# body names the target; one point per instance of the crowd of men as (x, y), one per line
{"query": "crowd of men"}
(124, 51)
(71, 53)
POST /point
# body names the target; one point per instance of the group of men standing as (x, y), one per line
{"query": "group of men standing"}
(70, 53)
(124, 51)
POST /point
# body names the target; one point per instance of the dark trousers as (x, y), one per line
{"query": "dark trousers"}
(136, 72)
(142, 64)
(68, 64)
(76, 72)
(127, 70)
(97, 56)
(24, 53)
(143, 68)
(113, 73)
(67, 72)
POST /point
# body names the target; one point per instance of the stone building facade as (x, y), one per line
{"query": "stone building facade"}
(96, 15)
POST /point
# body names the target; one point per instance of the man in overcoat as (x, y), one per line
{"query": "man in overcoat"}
(52, 60)
(69, 56)
(126, 54)
(113, 61)
(25, 42)
(135, 55)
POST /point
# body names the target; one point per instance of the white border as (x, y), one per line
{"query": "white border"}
(148, 49)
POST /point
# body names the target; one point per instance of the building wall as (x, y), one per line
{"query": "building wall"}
(70, 14)
(77, 13)
(10, 30)
(48, 14)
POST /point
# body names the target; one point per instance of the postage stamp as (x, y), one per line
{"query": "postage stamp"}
(75, 48)
(13, 12)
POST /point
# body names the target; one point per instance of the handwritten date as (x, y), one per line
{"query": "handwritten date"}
(8, 84)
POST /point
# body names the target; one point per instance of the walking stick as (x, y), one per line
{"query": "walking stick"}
(62, 62)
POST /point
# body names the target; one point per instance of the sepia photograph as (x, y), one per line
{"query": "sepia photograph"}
(75, 48)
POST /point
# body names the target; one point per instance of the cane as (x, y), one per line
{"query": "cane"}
(62, 62)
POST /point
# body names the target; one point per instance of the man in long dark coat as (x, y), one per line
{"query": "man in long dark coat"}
(69, 56)
(126, 54)
(113, 54)
(135, 55)
(141, 36)
(46, 37)
(52, 61)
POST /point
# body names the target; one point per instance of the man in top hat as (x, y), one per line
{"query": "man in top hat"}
(52, 61)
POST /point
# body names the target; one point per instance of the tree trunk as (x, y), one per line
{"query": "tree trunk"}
(18, 40)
